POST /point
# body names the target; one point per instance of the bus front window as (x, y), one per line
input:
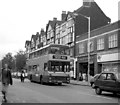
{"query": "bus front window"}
(56, 66)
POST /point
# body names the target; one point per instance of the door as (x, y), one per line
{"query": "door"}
(100, 82)
(110, 82)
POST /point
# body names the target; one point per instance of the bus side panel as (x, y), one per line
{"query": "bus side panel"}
(40, 66)
(43, 60)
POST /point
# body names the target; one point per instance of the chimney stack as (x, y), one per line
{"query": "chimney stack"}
(37, 33)
(42, 30)
(63, 15)
(54, 19)
(87, 2)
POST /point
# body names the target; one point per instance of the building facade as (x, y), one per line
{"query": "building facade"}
(104, 50)
(75, 24)
(70, 28)
(37, 41)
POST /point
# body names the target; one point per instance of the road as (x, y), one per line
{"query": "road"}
(28, 92)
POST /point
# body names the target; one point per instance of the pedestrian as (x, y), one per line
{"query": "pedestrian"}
(22, 76)
(6, 79)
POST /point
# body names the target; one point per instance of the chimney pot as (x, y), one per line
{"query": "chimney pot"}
(54, 19)
(37, 33)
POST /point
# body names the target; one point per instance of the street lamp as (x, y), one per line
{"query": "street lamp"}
(87, 17)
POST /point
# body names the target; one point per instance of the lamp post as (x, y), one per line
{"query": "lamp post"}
(88, 46)
(88, 49)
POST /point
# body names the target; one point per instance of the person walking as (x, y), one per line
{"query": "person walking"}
(6, 79)
(22, 76)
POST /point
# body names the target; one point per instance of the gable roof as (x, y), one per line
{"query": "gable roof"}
(53, 24)
(27, 43)
(85, 10)
(34, 37)
(102, 30)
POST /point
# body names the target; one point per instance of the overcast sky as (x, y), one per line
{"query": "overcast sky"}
(19, 19)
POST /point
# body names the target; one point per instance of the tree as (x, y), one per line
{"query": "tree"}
(20, 60)
(9, 60)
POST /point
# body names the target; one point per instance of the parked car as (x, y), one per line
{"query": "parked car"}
(93, 80)
(107, 81)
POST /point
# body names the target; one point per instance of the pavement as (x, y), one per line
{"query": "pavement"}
(81, 83)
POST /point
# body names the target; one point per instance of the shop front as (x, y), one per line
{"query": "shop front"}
(109, 62)
(82, 66)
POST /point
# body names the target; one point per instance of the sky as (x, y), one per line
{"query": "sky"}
(19, 19)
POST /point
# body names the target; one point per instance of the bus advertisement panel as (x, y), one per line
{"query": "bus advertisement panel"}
(50, 64)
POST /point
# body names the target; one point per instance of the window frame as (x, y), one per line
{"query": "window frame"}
(101, 44)
(81, 48)
(113, 40)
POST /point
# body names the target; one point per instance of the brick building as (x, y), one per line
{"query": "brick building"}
(104, 50)
(71, 27)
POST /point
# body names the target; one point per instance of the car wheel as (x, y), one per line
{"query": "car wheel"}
(98, 91)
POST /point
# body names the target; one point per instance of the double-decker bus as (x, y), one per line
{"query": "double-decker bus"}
(49, 64)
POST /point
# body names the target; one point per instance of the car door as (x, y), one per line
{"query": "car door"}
(100, 81)
(110, 83)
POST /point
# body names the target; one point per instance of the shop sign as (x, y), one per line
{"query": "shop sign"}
(108, 57)
(85, 59)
